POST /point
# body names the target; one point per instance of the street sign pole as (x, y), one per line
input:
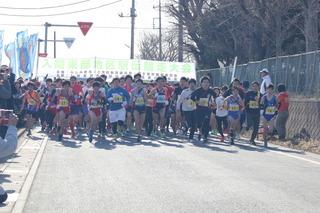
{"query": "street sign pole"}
(54, 45)
(84, 27)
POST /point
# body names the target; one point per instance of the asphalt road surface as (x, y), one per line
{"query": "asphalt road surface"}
(172, 175)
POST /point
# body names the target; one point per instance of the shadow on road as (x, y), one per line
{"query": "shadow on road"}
(70, 144)
(213, 148)
(104, 144)
(4, 178)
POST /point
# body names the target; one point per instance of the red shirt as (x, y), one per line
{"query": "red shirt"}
(169, 91)
(283, 101)
(77, 89)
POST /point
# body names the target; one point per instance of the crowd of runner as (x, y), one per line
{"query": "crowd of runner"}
(129, 105)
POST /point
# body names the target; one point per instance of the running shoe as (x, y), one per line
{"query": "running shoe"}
(60, 137)
(29, 132)
(199, 137)
(90, 136)
(222, 139)
(252, 142)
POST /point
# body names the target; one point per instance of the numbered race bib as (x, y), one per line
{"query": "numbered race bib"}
(234, 107)
(253, 105)
(117, 98)
(204, 102)
(161, 99)
(63, 102)
(31, 102)
(270, 110)
(139, 101)
(190, 103)
(150, 102)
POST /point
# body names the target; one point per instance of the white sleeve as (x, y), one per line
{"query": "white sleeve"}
(179, 101)
(9, 144)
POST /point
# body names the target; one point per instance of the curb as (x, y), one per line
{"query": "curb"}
(22, 199)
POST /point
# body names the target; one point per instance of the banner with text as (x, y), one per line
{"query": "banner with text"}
(92, 67)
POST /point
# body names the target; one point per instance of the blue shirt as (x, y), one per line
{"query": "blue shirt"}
(116, 97)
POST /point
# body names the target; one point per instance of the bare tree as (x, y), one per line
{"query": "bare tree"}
(149, 47)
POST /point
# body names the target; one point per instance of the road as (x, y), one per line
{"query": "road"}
(173, 176)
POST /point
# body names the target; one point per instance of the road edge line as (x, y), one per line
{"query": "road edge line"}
(22, 199)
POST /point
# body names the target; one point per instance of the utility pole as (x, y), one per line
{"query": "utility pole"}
(180, 36)
(54, 45)
(133, 16)
(160, 33)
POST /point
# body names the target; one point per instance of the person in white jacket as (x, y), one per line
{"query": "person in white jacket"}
(266, 81)
(188, 107)
(8, 144)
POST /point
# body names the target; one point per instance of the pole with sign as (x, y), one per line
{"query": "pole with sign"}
(69, 41)
(85, 27)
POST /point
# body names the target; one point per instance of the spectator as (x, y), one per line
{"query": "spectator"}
(283, 111)
(5, 95)
(8, 144)
(5, 88)
(266, 81)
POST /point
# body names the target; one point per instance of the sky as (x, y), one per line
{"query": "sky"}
(100, 42)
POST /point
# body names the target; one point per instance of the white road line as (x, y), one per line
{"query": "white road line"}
(296, 157)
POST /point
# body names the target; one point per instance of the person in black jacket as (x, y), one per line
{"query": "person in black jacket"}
(5, 95)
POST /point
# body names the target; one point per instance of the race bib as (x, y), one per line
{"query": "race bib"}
(234, 107)
(63, 102)
(117, 98)
(271, 110)
(204, 102)
(161, 99)
(190, 103)
(253, 105)
(139, 101)
(32, 102)
(150, 102)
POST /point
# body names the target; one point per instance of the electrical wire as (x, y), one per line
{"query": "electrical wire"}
(64, 13)
(97, 27)
(44, 8)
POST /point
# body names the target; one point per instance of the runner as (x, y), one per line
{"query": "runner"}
(176, 116)
(161, 97)
(221, 115)
(204, 97)
(139, 99)
(269, 103)
(252, 105)
(95, 101)
(31, 104)
(189, 107)
(213, 122)
(63, 97)
(75, 106)
(149, 107)
(129, 109)
(118, 98)
(235, 105)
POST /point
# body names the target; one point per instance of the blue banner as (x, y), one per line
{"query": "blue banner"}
(23, 54)
(1, 45)
(11, 53)
(32, 51)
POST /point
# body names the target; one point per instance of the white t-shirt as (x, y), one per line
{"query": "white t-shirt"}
(221, 111)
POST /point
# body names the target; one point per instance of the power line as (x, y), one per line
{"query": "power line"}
(97, 27)
(64, 13)
(44, 8)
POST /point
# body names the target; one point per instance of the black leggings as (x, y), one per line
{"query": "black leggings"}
(220, 121)
(203, 115)
(191, 121)
(115, 126)
(253, 120)
(148, 120)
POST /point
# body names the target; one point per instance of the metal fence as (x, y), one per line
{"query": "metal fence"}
(300, 73)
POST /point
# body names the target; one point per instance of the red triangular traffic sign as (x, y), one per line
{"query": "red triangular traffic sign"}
(85, 27)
